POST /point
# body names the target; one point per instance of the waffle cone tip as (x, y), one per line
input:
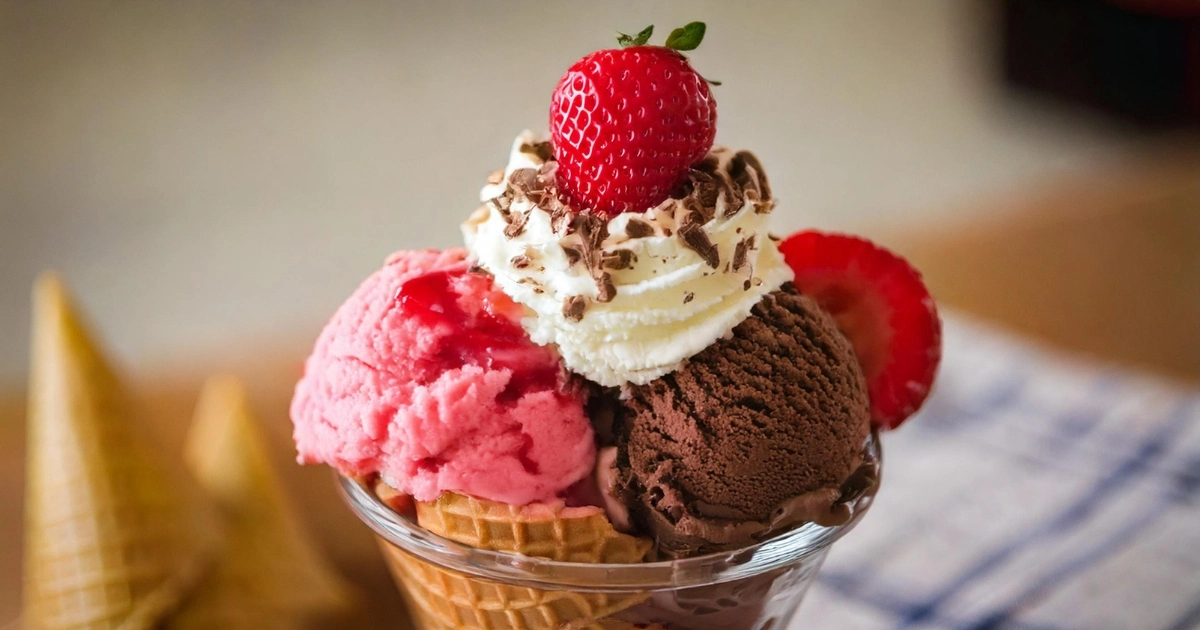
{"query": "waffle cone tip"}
(269, 565)
(111, 539)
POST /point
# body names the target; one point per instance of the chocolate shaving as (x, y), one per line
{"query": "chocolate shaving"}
(742, 251)
(734, 200)
(545, 195)
(521, 262)
(695, 238)
(573, 254)
(746, 174)
(699, 212)
(477, 269)
(617, 259)
(708, 165)
(737, 168)
(495, 177)
(516, 224)
(523, 179)
(543, 199)
(606, 290)
(688, 297)
(573, 307)
(537, 185)
(751, 171)
(501, 204)
(526, 183)
(592, 230)
(683, 189)
(638, 228)
(560, 219)
(706, 190)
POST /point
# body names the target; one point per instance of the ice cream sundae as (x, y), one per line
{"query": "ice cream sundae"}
(622, 365)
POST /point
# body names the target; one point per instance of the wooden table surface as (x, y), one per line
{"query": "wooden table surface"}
(1107, 264)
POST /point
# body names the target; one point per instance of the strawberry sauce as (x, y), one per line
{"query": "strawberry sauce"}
(484, 332)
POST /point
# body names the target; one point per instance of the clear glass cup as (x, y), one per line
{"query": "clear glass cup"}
(449, 585)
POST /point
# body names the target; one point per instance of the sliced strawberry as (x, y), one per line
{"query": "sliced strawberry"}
(882, 306)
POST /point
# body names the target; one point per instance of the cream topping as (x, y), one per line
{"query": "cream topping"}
(627, 299)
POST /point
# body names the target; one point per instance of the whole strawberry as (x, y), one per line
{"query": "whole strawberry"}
(627, 123)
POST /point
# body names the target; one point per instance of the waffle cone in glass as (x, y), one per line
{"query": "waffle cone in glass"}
(443, 598)
(466, 563)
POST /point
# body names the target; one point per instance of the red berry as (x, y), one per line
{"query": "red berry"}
(882, 306)
(627, 124)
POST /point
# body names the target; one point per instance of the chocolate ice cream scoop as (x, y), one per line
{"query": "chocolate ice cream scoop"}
(758, 432)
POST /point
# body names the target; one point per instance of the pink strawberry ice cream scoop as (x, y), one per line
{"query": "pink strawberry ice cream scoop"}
(426, 377)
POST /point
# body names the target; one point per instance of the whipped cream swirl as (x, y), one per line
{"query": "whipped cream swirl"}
(628, 299)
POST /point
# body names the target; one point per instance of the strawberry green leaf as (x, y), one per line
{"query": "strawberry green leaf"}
(640, 40)
(686, 38)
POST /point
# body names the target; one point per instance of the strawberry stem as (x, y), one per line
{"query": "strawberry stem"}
(639, 40)
(687, 37)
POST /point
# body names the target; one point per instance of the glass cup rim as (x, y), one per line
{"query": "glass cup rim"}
(544, 573)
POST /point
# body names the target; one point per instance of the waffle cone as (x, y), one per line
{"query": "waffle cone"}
(270, 572)
(114, 537)
(441, 598)
(539, 530)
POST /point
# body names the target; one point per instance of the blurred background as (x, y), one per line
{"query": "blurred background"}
(207, 174)
(213, 178)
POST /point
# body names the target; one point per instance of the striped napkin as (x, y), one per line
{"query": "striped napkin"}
(1033, 491)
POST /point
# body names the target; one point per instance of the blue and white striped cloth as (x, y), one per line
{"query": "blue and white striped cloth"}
(1033, 491)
